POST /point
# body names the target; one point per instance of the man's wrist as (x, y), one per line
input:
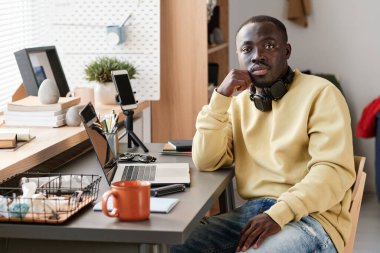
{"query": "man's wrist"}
(280, 213)
(219, 92)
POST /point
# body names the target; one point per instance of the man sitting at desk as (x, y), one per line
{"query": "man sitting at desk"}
(290, 139)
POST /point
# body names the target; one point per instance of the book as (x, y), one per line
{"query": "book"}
(174, 152)
(53, 118)
(38, 118)
(46, 123)
(157, 205)
(8, 140)
(181, 145)
(32, 103)
(168, 149)
(34, 114)
(23, 134)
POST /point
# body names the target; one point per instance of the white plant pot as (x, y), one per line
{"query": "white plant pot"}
(105, 94)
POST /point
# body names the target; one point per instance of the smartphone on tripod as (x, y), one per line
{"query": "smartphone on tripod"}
(125, 94)
(126, 99)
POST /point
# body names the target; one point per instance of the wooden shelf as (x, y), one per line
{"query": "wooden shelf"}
(184, 73)
(213, 49)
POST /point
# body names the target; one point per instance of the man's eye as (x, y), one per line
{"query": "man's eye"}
(270, 46)
(246, 49)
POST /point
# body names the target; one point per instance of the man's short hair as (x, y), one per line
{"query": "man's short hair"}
(262, 18)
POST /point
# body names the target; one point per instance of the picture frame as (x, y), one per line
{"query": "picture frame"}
(39, 63)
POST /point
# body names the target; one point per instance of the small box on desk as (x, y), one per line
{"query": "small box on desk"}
(8, 140)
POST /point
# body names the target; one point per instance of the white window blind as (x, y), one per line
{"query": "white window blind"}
(20, 28)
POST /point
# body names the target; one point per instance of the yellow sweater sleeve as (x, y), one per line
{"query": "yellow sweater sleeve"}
(212, 143)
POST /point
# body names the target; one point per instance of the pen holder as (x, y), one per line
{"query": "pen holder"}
(113, 141)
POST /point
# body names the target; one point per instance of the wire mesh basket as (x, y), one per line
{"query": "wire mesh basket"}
(46, 197)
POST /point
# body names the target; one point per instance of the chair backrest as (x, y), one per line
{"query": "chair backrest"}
(357, 196)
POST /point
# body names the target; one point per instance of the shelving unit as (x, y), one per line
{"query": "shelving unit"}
(213, 49)
(185, 55)
(219, 53)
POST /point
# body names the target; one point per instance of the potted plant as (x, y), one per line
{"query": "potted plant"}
(99, 71)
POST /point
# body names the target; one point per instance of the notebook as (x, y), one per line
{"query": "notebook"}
(162, 173)
(157, 205)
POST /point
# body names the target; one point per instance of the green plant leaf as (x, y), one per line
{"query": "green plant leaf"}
(100, 69)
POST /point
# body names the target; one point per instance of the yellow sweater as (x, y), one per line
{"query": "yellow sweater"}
(300, 153)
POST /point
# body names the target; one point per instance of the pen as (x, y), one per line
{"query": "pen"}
(117, 117)
(114, 129)
(115, 121)
(97, 124)
(105, 125)
(108, 118)
(98, 129)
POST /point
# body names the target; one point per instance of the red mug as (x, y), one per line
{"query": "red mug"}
(131, 200)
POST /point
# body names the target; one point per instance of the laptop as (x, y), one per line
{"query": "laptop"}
(157, 174)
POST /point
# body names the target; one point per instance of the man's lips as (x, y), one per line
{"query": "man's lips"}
(258, 70)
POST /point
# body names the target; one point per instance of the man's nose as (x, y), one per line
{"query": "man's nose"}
(257, 55)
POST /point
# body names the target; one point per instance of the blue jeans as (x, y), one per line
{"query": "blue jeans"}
(221, 233)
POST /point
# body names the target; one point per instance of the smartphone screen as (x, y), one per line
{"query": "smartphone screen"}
(124, 88)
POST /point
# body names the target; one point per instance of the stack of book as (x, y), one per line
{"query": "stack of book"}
(177, 147)
(30, 111)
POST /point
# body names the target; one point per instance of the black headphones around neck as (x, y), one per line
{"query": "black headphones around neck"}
(263, 101)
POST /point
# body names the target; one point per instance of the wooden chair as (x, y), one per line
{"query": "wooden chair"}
(357, 196)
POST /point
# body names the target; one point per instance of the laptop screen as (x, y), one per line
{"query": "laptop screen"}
(95, 132)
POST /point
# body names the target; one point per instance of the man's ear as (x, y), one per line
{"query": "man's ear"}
(288, 50)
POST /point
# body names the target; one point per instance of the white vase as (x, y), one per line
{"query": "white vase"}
(105, 94)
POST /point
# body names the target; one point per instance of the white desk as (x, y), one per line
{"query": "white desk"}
(91, 231)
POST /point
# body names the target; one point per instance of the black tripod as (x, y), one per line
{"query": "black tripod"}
(132, 137)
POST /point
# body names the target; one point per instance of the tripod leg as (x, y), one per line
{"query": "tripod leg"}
(132, 137)
(129, 140)
(137, 141)
(132, 140)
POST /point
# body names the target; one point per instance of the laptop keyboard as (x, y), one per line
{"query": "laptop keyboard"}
(139, 172)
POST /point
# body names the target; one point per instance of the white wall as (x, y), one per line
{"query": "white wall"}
(78, 30)
(343, 38)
